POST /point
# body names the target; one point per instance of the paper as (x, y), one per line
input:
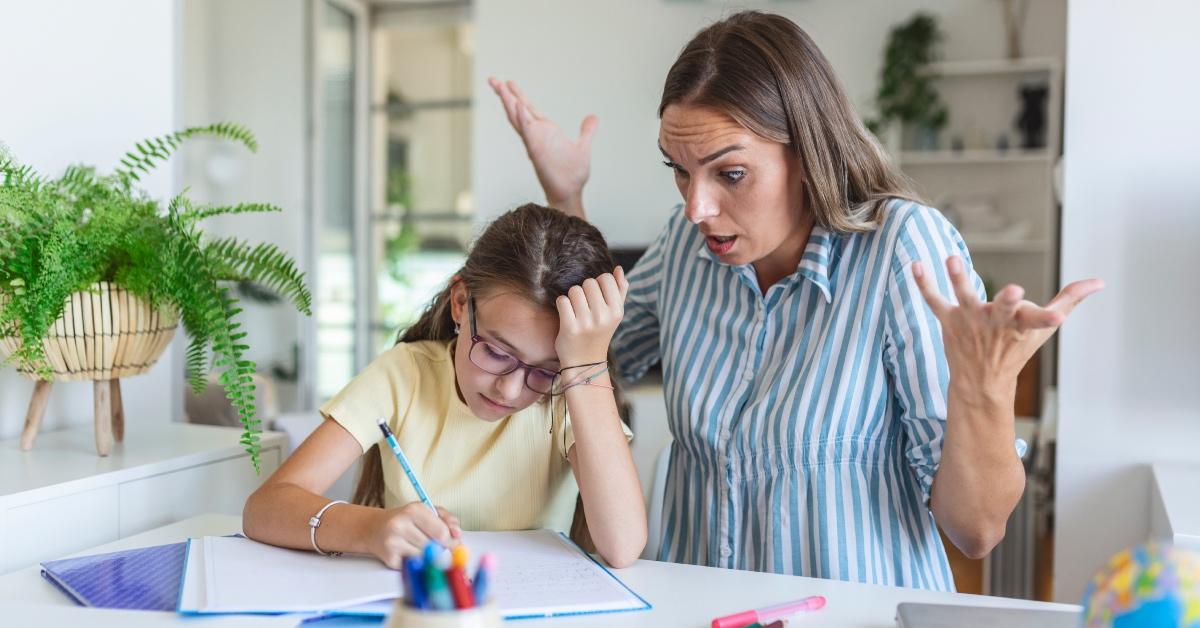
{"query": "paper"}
(238, 575)
(540, 573)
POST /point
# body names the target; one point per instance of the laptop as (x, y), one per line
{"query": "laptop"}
(918, 615)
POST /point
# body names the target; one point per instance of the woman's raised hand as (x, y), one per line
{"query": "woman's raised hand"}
(562, 164)
(987, 343)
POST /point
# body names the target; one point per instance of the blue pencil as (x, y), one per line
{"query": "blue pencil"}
(412, 477)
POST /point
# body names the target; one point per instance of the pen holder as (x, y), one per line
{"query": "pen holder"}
(485, 616)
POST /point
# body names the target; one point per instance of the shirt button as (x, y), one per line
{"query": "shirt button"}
(726, 552)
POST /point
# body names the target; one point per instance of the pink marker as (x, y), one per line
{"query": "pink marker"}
(770, 613)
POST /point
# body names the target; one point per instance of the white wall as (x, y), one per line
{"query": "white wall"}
(245, 62)
(1130, 359)
(82, 82)
(610, 58)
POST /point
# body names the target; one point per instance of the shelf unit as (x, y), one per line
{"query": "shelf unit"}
(983, 101)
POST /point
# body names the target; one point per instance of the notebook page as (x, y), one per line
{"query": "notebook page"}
(541, 573)
(192, 585)
(241, 575)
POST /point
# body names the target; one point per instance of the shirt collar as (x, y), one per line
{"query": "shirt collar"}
(814, 263)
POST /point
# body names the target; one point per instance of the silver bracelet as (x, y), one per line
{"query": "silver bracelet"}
(314, 522)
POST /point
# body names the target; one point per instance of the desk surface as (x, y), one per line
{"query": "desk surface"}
(682, 595)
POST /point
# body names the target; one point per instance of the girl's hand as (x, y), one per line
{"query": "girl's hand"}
(987, 344)
(404, 531)
(561, 163)
(588, 316)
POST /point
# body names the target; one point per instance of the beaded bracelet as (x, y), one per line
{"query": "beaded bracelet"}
(587, 379)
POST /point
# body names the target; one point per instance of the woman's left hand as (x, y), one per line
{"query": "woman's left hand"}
(987, 343)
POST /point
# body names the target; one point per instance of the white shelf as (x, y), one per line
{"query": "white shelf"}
(968, 69)
(953, 157)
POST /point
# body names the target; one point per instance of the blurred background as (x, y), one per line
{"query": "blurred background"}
(1054, 136)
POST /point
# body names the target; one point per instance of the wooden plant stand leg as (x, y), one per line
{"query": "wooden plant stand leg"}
(118, 411)
(37, 408)
(101, 390)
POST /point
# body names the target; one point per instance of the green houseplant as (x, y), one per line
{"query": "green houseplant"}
(907, 93)
(62, 238)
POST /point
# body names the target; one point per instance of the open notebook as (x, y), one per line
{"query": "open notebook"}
(540, 573)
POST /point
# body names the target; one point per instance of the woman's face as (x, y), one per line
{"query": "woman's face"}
(510, 325)
(742, 190)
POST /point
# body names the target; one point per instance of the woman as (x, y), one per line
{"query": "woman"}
(831, 395)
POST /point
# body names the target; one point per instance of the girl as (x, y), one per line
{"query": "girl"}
(475, 393)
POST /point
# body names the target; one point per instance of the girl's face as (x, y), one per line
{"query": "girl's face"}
(510, 325)
(744, 192)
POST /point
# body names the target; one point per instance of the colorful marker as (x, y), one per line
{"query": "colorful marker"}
(439, 595)
(483, 576)
(414, 585)
(770, 613)
(464, 597)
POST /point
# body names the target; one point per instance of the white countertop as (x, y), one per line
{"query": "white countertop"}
(65, 461)
(682, 595)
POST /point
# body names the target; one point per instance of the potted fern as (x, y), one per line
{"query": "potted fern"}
(95, 275)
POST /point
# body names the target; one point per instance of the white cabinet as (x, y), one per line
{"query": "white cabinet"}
(61, 497)
(219, 487)
(1174, 510)
(33, 532)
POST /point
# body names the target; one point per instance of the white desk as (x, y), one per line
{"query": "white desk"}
(682, 595)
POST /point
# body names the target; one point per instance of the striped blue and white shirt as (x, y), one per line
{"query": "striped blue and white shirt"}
(808, 421)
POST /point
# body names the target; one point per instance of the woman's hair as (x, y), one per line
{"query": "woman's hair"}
(766, 73)
(534, 251)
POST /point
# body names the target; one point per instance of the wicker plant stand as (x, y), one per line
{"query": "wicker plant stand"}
(103, 334)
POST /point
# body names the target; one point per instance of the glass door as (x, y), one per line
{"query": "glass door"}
(421, 209)
(337, 335)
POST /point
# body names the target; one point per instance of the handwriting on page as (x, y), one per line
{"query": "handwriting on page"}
(553, 577)
(540, 572)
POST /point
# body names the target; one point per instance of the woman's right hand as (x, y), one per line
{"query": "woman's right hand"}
(562, 164)
(404, 531)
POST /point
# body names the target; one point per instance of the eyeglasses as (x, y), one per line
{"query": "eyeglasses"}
(492, 359)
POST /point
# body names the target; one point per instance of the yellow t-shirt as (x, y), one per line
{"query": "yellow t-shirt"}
(512, 474)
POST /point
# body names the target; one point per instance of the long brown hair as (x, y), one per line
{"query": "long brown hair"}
(534, 251)
(766, 73)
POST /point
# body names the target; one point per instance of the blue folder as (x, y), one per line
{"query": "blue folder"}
(144, 578)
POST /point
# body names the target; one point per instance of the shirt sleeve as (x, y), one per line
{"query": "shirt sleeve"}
(384, 389)
(562, 427)
(636, 343)
(914, 354)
